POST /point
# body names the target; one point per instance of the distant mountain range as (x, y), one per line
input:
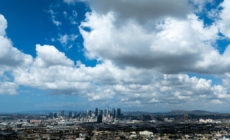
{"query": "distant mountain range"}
(195, 112)
(177, 112)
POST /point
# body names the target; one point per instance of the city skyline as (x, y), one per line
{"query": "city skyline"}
(153, 56)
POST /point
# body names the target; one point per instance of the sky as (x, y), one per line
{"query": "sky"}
(135, 55)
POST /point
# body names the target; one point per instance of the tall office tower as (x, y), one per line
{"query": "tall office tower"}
(118, 112)
(99, 118)
(62, 113)
(55, 115)
(96, 112)
(59, 114)
(185, 117)
(105, 113)
(74, 114)
(51, 115)
(101, 112)
(114, 113)
(70, 114)
(110, 113)
(90, 113)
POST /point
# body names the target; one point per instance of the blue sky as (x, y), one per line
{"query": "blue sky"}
(82, 54)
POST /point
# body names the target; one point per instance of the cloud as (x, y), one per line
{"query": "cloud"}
(140, 11)
(175, 46)
(223, 22)
(3, 25)
(8, 88)
(10, 58)
(53, 17)
(201, 4)
(73, 18)
(67, 40)
(172, 89)
(49, 56)
(17, 58)
(65, 14)
(51, 70)
(216, 102)
(129, 85)
(71, 2)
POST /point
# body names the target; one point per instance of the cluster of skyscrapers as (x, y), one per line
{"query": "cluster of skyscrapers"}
(98, 113)
(62, 114)
(107, 113)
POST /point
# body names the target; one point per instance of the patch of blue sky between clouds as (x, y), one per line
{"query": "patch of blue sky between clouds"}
(204, 14)
(222, 43)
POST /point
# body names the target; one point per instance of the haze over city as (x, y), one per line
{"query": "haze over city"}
(148, 55)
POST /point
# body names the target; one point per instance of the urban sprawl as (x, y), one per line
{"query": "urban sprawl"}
(115, 125)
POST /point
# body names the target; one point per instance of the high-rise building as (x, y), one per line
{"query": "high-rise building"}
(90, 113)
(99, 118)
(70, 114)
(106, 112)
(51, 115)
(61, 113)
(114, 113)
(96, 112)
(118, 112)
(74, 114)
(101, 112)
(185, 117)
(55, 115)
